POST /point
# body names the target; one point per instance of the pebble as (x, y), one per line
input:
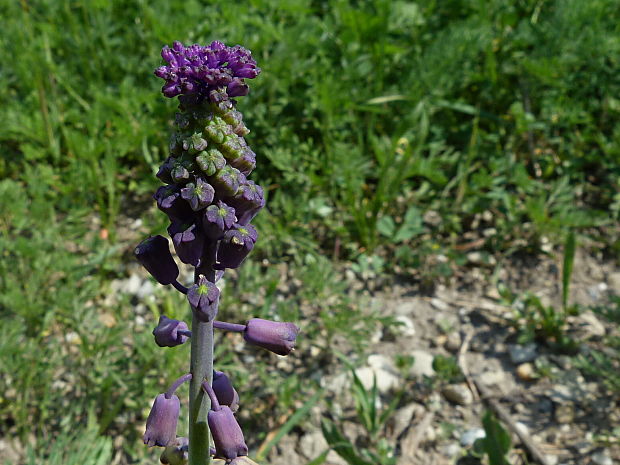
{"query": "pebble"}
(312, 444)
(522, 427)
(422, 364)
(453, 343)
(469, 436)
(564, 413)
(561, 393)
(602, 458)
(450, 450)
(432, 218)
(526, 372)
(458, 393)
(492, 378)
(552, 459)
(107, 319)
(386, 380)
(590, 325)
(406, 326)
(439, 304)
(403, 417)
(522, 353)
(478, 258)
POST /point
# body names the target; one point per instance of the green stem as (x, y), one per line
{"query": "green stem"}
(201, 368)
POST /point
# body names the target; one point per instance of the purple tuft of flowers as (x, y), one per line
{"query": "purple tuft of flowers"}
(200, 69)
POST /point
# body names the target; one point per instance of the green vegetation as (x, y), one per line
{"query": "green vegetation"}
(390, 134)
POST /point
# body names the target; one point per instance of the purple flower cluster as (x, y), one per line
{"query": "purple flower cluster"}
(210, 203)
(198, 69)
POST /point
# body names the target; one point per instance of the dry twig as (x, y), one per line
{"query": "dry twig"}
(503, 414)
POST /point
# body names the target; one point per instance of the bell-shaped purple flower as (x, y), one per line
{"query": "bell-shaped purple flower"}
(248, 202)
(177, 453)
(204, 299)
(224, 390)
(154, 255)
(164, 171)
(188, 241)
(210, 161)
(275, 336)
(170, 202)
(198, 195)
(167, 332)
(227, 434)
(227, 180)
(237, 243)
(217, 219)
(161, 424)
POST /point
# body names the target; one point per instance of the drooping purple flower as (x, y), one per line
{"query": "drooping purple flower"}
(188, 240)
(271, 335)
(167, 332)
(204, 298)
(210, 161)
(224, 390)
(227, 180)
(198, 69)
(170, 202)
(154, 255)
(161, 424)
(227, 434)
(164, 171)
(198, 195)
(237, 243)
(248, 202)
(218, 218)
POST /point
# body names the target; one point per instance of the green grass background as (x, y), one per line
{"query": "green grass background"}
(368, 117)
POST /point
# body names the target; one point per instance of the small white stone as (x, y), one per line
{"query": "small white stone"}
(406, 326)
(422, 363)
(451, 450)
(385, 379)
(552, 459)
(469, 436)
(602, 458)
(439, 304)
(458, 393)
(522, 427)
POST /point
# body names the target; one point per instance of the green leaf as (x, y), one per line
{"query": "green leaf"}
(412, 225)
(496, 441)
(341, 445)
(386, 226)
(293, 420)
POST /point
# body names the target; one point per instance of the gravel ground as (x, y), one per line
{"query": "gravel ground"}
(560, 413)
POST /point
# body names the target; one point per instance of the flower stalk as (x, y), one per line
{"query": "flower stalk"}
(210, 202)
